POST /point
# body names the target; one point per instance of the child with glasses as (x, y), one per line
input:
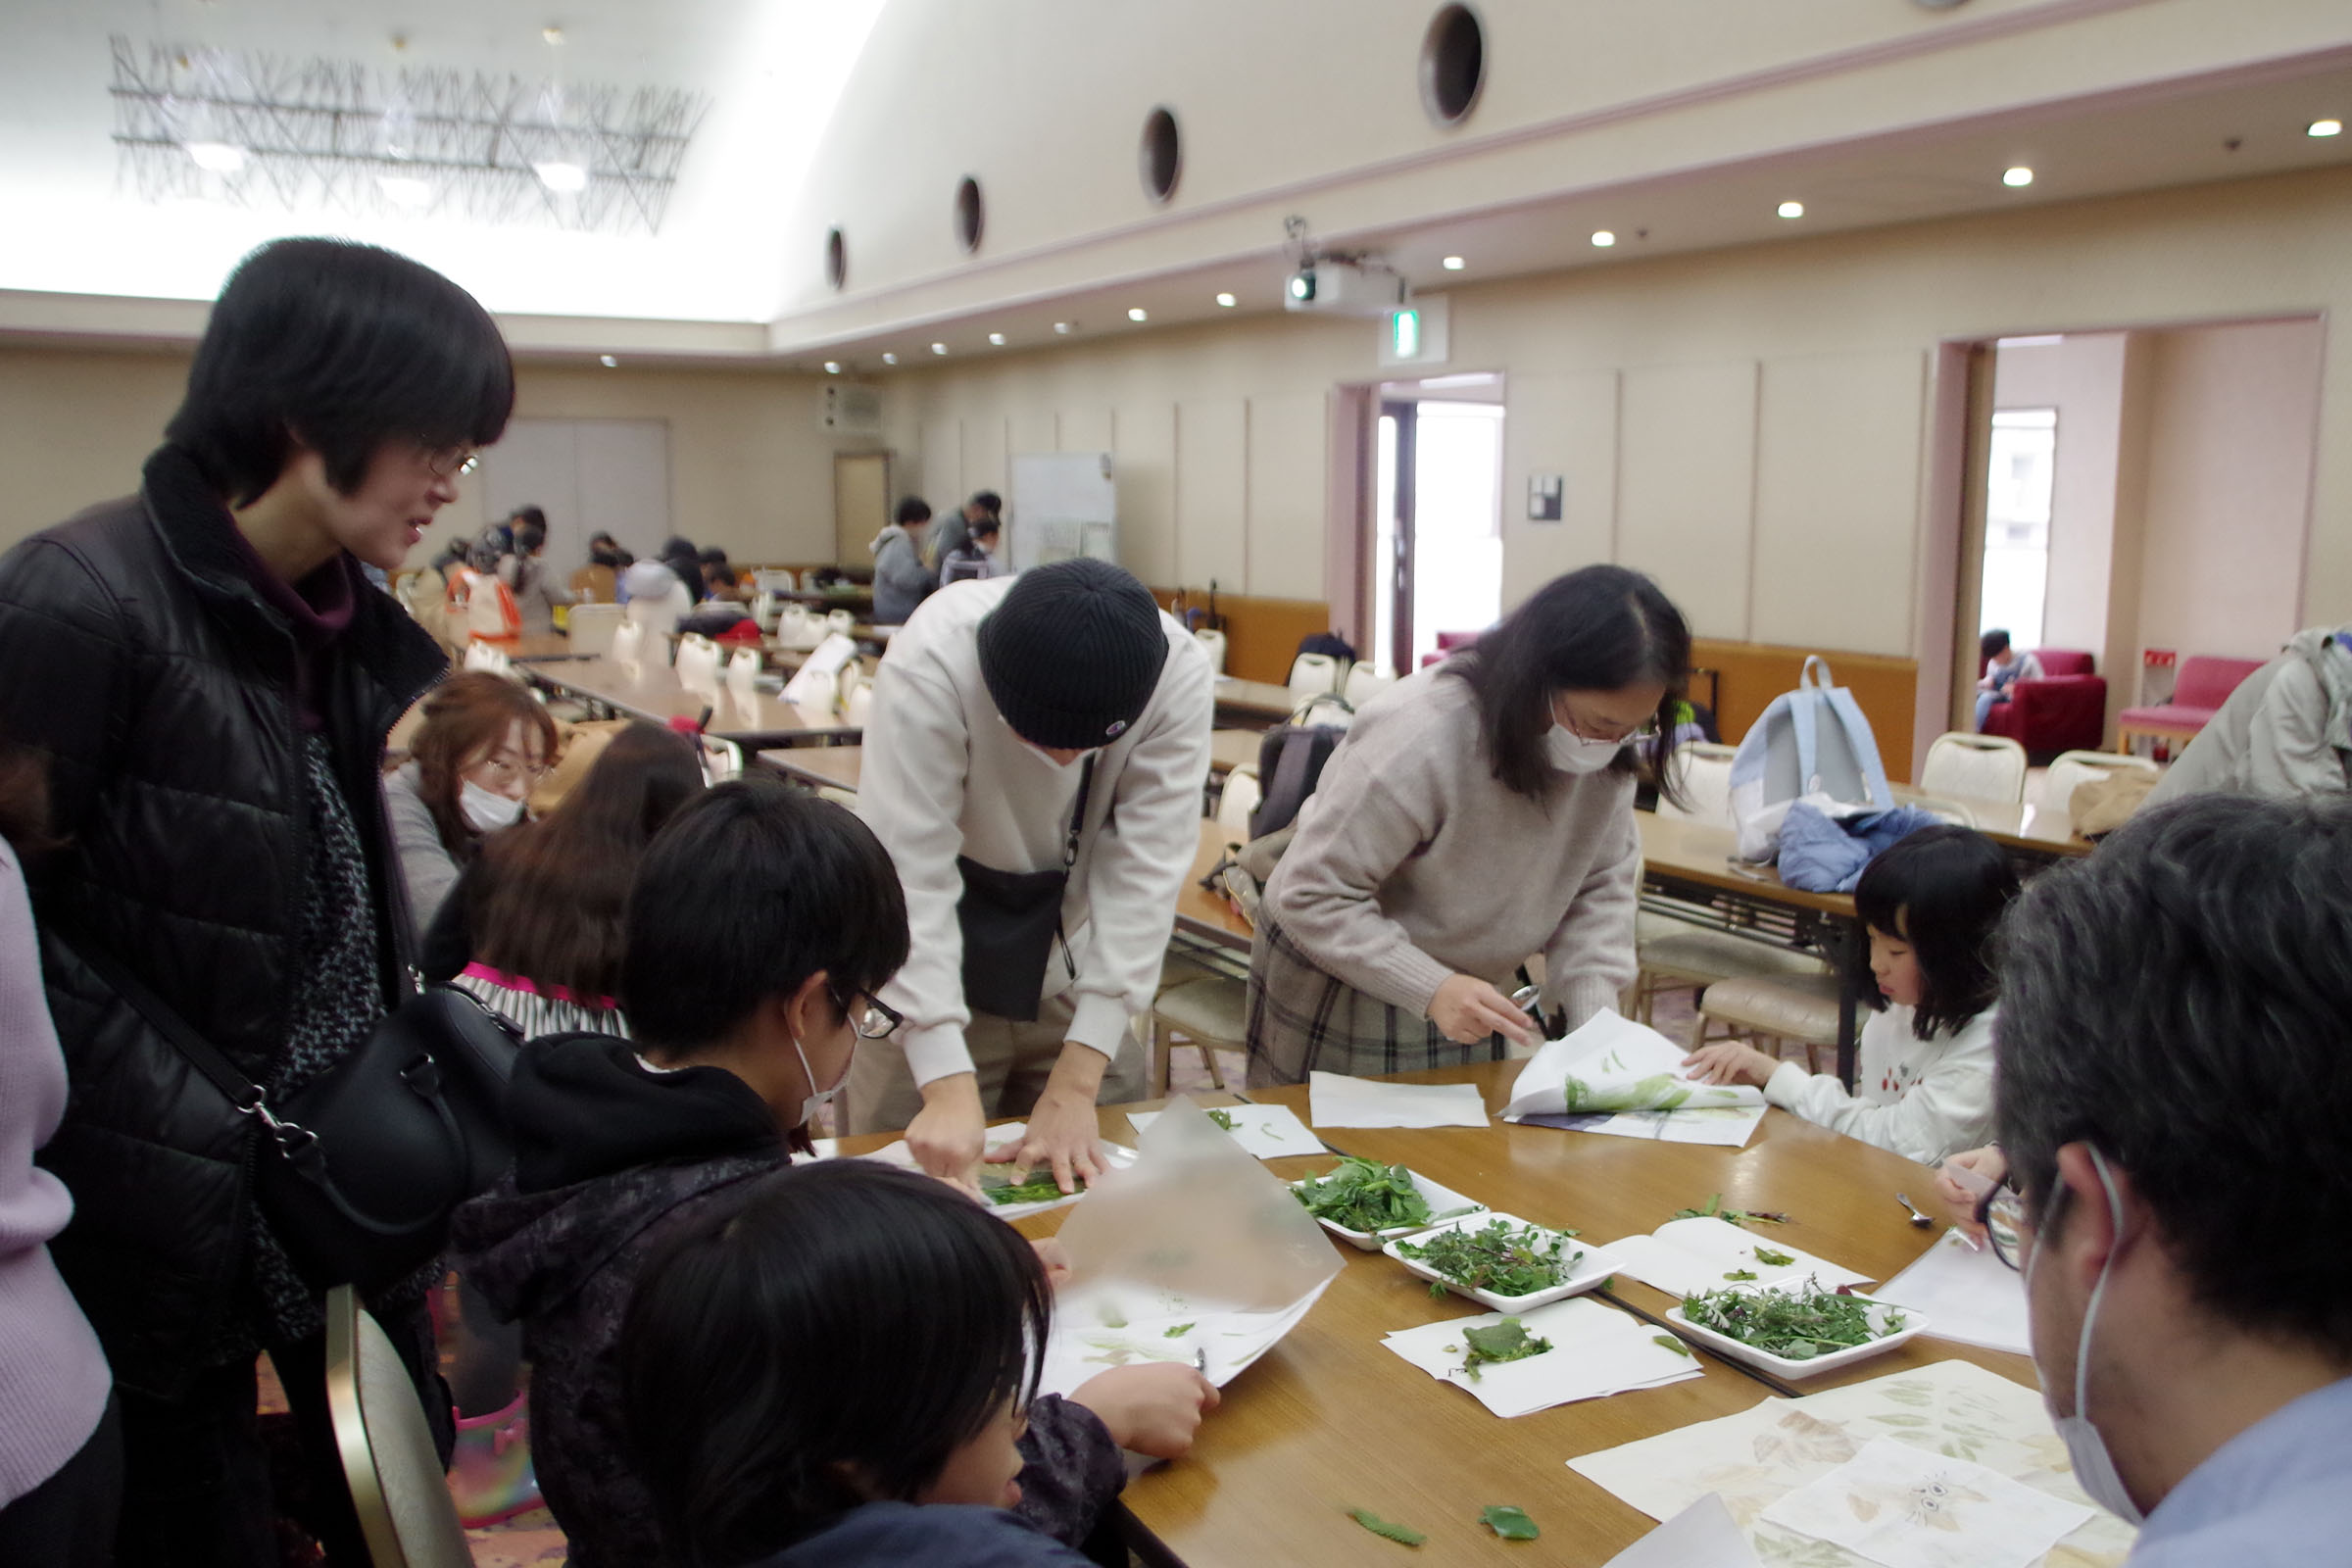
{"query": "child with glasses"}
(1923, 1085)
(760, 925)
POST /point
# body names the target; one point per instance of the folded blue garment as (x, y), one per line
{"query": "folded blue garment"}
(1824, 854)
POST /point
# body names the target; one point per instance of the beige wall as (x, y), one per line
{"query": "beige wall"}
(749, 468)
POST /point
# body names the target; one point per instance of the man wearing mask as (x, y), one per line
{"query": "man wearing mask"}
(956, 530)
(2174, 1103)
(1033, 765)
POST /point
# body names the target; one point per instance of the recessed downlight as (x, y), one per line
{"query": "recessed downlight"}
(1791, 209)
(1604, 238)
(2017, 176)
(2317, 128)
(1453, 264)
(1138, 314)
(890, 358)
(1227, 301)
(608, 361)
(832, 366)
(938, 348)
(996, 338)
(1064, 328)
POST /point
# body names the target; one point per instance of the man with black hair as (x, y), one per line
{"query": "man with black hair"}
(2175, 1102)
(954, 531)
(210, 681)
(1034, 762)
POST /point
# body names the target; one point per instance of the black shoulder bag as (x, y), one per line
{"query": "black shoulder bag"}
(1010, 920)
(360, 1171)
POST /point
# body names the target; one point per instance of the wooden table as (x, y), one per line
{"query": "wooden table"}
(820, 767)
(1328, 1419)
(1229, 749)
(1254, 701)
(2026, 832)
(654, 693)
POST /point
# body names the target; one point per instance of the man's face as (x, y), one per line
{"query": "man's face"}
(393, 503)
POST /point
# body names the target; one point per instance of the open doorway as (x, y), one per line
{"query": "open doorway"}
(1434, 562)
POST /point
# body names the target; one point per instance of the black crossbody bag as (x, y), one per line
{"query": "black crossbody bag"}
(1010, 920)
(359, 1169)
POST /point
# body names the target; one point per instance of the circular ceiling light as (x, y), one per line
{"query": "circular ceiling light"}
(2017, 177)
(1791, 209)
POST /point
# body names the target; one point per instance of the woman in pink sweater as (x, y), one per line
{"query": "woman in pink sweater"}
(61, 1444)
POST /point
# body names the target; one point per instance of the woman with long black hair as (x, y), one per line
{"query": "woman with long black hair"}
(1478, 814)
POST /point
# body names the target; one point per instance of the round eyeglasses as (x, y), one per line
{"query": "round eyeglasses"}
(451, 461)
(2002, 1214)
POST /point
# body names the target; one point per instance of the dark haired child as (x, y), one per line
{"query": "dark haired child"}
(836, 1370)
(1923, 1080)
(761, 922)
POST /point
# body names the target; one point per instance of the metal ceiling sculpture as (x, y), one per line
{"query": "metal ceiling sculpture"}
(223, 125)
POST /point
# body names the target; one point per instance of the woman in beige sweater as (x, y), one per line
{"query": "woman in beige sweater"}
(1478, 814)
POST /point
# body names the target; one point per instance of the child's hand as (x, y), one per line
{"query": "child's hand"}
(1056, 1259)
(1152, 1410)
(1959, 1199)
(1729, 1061)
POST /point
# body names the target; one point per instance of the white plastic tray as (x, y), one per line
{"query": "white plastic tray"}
(1914, 1323)
(1591, 1266)
(1439, 1200)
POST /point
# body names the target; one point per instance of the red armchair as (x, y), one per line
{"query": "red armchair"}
(1448, 642)
(2065, 710)
(2202, 686)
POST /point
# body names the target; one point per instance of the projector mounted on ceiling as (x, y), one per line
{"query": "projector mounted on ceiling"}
(1339, 283)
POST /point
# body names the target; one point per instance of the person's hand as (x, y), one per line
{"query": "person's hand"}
(1056, 1259)
(1958, 1198)
(1466, 1010)
(1152, 1409)
(1062, 1128)
(1728, 1061)
(947, 1134)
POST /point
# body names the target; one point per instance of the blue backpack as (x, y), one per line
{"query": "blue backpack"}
(1812, 744)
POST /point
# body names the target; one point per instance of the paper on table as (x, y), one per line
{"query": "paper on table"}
(1907, 1509)
(1611, 1065)
(1966, 1294)
(1730, 1126)
(1107, 1323)
(1702, 1536)
(1757, 1456)
(1687, 1257)
(813, 682)
(1334, 1099)
(1270, 1132)
(1596, 1351)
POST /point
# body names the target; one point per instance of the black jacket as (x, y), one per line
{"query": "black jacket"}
(138, 656)
(610, 1160)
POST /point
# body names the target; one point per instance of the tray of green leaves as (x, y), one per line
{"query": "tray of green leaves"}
(1365, 1202)
(1800, 1331)
(1002, 1186)
(1503, 1261)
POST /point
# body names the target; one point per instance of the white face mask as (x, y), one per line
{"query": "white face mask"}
(2085, 1450)
(486, 810)
(1571, 753)
(817, 1099)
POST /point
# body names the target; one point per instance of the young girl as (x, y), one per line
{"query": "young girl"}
(1924, 1077)
(835, 1370)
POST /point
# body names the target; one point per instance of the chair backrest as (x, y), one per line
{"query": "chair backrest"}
(774, 580)
(660, 615)
(797, 628)
(2207, 682)
(698, 664)
(2071, 769)
(1239, 799)
(629, 642)
(593, 627)
(1702, 774)
(743, 670)
(1365, 681)
(842, 621)
(1313, 674)
(406, 1513)
(764, 609)
(858, 706)
(1979, 767)
(722, 760)
(2066, 661)
(1213, 640)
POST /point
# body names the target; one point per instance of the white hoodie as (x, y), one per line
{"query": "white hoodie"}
(945, 775)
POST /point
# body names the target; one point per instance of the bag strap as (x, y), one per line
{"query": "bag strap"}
(206, 1057)
(1086, 787)
(1815, 676)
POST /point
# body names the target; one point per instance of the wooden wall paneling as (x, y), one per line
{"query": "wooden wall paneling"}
(1212, 448)
(1143, 467)
(1753, 675)
(1261, 635)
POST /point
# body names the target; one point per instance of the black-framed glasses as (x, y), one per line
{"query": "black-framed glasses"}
(2002, 1214)
(451, 461)
(876, 1020)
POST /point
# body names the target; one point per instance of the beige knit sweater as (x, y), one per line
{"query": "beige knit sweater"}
(1414, 864)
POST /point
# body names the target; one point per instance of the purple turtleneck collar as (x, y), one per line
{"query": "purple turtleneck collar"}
(316, 609)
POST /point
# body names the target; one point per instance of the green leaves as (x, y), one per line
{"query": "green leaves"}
(1741, 1275)
(1511, 1524)
(1771, 1259)
(1223, 1118)
(1498, 1257)
(1178, 1332)
(1671, 1344)
(1363, 1194)
(1035, 1187)
(1731, 1216)
(1506, 1341)
(1403, 1534)
(1796, 1325)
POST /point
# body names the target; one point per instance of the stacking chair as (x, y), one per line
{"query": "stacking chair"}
(1365, 681)
(2071, 769)
(1214, 641)
(698, 665)
(1208, 1014)
(1980, 767)
(1313, 675)
(593, 627)
(629, 643)
(1238, 799)
(1773, 1011)
(406, 1513)
(1702, 771)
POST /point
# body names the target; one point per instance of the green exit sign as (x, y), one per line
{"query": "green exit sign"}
(1404, 335)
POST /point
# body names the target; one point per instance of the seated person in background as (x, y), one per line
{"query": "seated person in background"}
(721, 579)
(525, 574)
(976, 558)
(2286, 731)
(901, 579)
(472, 762)
(761, 922)
(777, 1403)
(2003, 668)
(2176, 1104)
(533, 928)
(1924, 1078)
(685, 563)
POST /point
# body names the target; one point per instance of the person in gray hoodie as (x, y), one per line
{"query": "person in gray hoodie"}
(2284, 733)
(901, 579)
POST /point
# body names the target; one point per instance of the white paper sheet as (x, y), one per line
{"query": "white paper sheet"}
(1968, 1296)
(1107, 1323)
(1336, 1100)
(1908, 1508)
(1270, 1132)
(1612, 1064)
(813, 681)
(1596, 1351)
(1726, 1126)
(1690, 1256)
(1702, 1536)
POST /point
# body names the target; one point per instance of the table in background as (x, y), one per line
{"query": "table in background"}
(820, 768)
(1229, 749)
(1257, 702)
(654, 693)
(2033, 834)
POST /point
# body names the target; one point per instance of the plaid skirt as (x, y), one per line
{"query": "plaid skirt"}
(1302, 1020)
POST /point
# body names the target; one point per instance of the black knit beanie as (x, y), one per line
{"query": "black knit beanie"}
(1073, 653)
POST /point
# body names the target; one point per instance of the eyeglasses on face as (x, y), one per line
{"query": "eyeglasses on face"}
(875, 1020)
(507, 769)
(1592, 729)
(2002, 1214)
(451, 461)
